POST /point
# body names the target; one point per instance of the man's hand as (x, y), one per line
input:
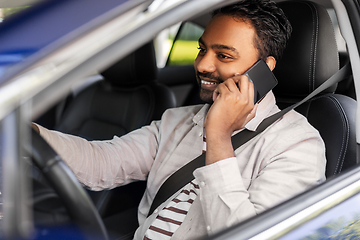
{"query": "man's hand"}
(233, 107)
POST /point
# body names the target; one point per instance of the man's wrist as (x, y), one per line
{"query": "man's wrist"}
(218, 147)
(218, 133)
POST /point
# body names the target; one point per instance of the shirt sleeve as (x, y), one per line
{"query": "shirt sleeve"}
(227, 198)
(106, 164)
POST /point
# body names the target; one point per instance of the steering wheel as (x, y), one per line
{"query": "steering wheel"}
(78, 204)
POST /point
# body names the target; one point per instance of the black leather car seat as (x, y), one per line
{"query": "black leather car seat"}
(127, 98)
(310, 58)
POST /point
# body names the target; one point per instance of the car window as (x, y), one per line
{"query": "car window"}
(339, 39)
(339, 222)
(185, 46)
(176, 49)
(163, 43)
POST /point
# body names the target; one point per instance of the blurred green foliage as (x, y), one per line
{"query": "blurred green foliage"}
(337, 229)
(328, 230)
(183, 52)
(350, 231)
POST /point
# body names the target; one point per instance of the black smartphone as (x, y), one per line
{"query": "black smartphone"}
(263, 79)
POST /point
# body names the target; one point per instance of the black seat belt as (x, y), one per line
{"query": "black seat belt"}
(185, 174)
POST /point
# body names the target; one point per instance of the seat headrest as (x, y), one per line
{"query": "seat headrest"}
(135, 69)
(311, 56)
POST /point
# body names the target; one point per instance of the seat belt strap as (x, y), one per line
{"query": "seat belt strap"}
(185, 174)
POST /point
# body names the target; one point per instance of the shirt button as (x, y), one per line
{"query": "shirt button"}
(208, 228)
(200, 134)
(202, 184)
(156, 210)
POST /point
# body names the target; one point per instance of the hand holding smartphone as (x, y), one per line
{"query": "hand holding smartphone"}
(263, 79)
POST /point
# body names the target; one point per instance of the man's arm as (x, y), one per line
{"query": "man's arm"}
(285, 167)
(106, 164)
(233, 107)
(228, 198)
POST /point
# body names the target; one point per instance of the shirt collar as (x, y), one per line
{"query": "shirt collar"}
(199, 118)
(265, 108)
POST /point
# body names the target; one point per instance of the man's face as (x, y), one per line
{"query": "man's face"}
(226, 48)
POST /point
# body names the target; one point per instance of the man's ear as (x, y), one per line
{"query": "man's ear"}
(271, 62)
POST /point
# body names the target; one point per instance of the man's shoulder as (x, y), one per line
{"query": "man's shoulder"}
(295, 124)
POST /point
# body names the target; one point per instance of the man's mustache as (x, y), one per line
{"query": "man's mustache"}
(209, 76)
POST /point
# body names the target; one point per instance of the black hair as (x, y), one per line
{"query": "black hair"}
(272, 28)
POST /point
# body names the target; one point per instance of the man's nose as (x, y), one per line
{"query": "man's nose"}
(206, 63)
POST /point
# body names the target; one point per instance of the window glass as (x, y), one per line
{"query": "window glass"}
(339, 222)
(185, 48)
(339, 39)
(163, 43)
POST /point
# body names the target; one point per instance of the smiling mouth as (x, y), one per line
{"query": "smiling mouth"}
(204, 82)
(208, 83)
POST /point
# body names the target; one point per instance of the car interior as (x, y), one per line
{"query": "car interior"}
(134, 91)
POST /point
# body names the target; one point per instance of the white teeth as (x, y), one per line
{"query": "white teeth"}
(206, 82)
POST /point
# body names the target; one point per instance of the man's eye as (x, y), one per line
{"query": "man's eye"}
(223, 56)
(201, 50)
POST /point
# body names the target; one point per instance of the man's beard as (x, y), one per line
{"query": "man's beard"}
(205, 94)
